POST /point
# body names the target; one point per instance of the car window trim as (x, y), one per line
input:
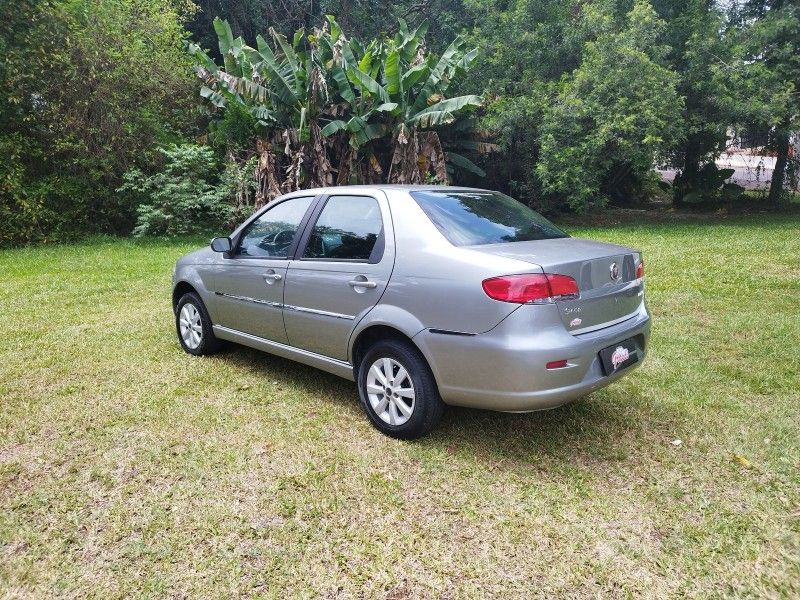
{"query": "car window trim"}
(236, 237)
(375, 257)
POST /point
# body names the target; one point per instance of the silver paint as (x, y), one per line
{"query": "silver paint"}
(424, 287)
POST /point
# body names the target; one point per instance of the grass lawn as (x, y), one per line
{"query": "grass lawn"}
(130, 468)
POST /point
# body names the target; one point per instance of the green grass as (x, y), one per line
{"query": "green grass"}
(130, 468)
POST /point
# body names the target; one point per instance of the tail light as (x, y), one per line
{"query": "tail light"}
(640, 269)
(537, 288)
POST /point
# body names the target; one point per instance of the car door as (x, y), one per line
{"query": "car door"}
(249, 285)
(340, 271)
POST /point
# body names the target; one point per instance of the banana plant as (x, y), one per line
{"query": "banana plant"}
(284, 87)
(329, 105)
(463, 141)
(362, 100)
(408, 99)
(418, 86)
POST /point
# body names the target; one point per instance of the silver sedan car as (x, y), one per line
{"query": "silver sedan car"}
(425, 296)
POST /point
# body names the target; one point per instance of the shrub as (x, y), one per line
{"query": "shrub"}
(88, 89)
(186, 196)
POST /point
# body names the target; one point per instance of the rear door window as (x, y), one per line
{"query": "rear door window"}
(349, 228)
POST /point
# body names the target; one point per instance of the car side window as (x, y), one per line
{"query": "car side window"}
(271, 234)
(348, 228)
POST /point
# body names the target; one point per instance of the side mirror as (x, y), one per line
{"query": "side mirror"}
(221, 244)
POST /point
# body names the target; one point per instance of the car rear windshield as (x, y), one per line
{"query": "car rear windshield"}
(473, 218)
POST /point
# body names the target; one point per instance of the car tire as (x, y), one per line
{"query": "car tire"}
(408, 406)
(194, 328)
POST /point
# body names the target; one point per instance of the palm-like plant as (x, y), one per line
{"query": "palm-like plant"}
(407, 103)
(418, 85)
(379, 104)
(285, 89)
(359, 117)
(463, 141)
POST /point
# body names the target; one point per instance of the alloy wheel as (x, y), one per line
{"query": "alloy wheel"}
(390, 391)
(191, 326)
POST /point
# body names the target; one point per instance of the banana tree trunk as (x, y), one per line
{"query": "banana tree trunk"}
(269, 180)
(348, 161)
(320, 168)
(418, 157)
(404, 167)
(358, 167)
(308, 162)
(371, 170)
(431, 158)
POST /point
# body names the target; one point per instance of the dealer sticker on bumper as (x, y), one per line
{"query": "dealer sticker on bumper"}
(619, 356)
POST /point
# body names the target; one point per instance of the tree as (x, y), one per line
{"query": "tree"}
(90, 88)
(612, 114)
(325, 102)
(768, 68)
(415, 86)
(285, 90)
(696, 51)
(579, 95)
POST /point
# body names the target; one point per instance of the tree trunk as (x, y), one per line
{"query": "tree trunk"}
(417, 157)
(431, 158)
(268, 174)
(687, 180)
(348, 159)
(779, 173)
(404, 167)
(320, 171)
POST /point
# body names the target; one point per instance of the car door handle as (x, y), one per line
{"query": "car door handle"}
(273, 276)
(355, 283)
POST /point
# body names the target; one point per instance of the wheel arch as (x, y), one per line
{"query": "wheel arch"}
(181, 288)
(369, 336)
(385, 322)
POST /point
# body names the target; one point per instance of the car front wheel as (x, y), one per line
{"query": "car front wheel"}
(193, 324)
(397, 390)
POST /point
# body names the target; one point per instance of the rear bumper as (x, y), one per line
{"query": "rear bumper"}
(504, 369)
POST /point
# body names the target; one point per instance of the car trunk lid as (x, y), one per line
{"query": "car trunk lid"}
(606, 276)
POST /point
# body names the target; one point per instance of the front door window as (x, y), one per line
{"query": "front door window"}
(271, 234)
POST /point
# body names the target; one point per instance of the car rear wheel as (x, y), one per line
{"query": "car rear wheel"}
(193, 325)
(397, 390)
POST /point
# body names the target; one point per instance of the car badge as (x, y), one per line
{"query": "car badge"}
(619, 356)
(575, 322)
(614, 271)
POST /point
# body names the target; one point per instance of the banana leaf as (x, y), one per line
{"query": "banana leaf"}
(462, 162)
(444, 111)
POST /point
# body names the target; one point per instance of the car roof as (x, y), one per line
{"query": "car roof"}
(381, 187)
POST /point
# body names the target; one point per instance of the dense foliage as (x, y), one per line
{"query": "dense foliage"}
(331, 109)
(90, 87)
(611, 115)
(184, 196)
(363, 19)
(581, 99)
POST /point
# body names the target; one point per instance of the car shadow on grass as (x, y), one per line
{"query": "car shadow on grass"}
(611, 424)
(604, 427)
(291, 374)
